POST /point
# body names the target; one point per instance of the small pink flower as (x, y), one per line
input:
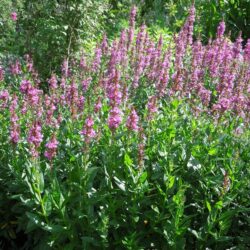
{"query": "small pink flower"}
(221, 29)
(132, 122)
(51, 148)
(88, 131)
(115, 118)
(35, 138)
(15, 68)
(225, 103)
(14, 126)
(15, 134)
(82, 62)
(132, 16)
(25, 86)
(33, 95)
(65, 68)
(53, 82)
(86, 83)
(98, 105)
(1, 73)
(152, 106)
(13, 16)
(80, 103)
(4, 97)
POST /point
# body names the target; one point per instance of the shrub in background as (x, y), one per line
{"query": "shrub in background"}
(169, 16)
(51, 30)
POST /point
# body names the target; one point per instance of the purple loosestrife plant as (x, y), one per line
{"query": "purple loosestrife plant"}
(15, 68)
(14, 126)
(52, 82)
(104, 45)
(86, 83)
(4, 98)
(145, 126)
(98, 105)
(152, 107)
(97, 59)
(221, 29)
(132, 121)
(113, 89)
(35, 137)
(212, 78)
(115, 118)
(2, 73)
(51, 148)
(246, 52)
(29, 63)
(88, 131)
(13, 16)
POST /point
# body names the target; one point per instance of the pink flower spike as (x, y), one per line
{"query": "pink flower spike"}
(88, 131)
(13, 16)
(35, 137)
(53, 82)
(98, 105)
(115, 118)
(132, 122)
(51, 148)
(221, 29)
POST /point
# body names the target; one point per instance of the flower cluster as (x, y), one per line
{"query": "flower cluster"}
(88, 131)
(13, 16)
(115, 118)
(35, 138)
(132, 71)
(14, 126)
(51, 147)
(132, 121)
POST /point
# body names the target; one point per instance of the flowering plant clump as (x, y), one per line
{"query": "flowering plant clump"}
(165, 163)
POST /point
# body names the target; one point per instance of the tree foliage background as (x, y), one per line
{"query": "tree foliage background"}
(51, 30)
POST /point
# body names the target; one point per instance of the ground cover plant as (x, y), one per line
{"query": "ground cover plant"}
(139, 145)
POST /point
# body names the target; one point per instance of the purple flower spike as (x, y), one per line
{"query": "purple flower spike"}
(115, 118)
(88, 131)
(51, 148)
(132, 122)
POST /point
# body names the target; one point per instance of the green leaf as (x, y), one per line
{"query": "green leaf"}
(193, 163)
(175, 103)
(195, 233)
(155, 208)
(41, 182)
(91, 174)
(219, 204)
(143, 177)
(55, 228)
(120, 184)
(136, 219)
(213, 151)
(47, 203)
(171, 181)
(208, 206)
(127, 160)
(34, 222)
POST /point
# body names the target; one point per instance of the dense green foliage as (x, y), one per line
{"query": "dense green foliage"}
(50, 30)
(193, 189)
(169, 15)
